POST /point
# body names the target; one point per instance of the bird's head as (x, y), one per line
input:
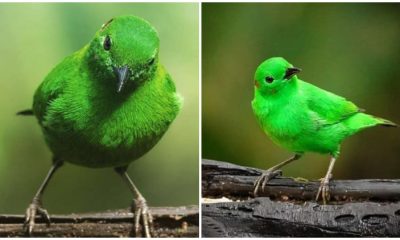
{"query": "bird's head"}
(273, 75)
(125, 51)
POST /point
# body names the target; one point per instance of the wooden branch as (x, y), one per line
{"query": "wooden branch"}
(226, 179)
(168, 222)
(359, 208)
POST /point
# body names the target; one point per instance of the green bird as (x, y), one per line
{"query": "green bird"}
(106, 105)
(303, 118)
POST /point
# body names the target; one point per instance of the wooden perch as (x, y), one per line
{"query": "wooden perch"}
(368, 207)
(226, 179)
(168, 222)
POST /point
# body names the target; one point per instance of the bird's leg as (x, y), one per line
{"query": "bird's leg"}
(36, 205)
(140, 207)
(271, 173)
(324, 187)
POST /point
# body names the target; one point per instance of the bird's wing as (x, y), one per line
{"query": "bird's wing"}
(47, 92)
(328, 108)
(53, 86)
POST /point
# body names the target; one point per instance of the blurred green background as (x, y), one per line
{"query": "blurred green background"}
(352, 50)
(34, 38)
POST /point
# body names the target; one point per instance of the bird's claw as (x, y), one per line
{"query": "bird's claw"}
(34, 209)
(323, 190)
(141, 211)
(264, 178)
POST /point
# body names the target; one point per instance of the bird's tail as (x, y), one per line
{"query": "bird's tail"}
(361, 121)
(27, 112)
(386, 123)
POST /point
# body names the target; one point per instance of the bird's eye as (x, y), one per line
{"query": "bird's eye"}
(269, 79)
(151, 61)
(107, 43)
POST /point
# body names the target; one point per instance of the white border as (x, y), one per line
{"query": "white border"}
(200, 115)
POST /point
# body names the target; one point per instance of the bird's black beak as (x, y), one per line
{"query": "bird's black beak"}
(122, 74)
(290, 72)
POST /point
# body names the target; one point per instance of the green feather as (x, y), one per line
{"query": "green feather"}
(302, 117)
(85, 120)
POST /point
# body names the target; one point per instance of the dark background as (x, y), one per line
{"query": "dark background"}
(352, 50)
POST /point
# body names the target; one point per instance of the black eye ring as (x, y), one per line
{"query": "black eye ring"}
(269, 79)
(107, 43)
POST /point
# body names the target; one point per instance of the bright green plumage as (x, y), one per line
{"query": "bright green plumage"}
(105, 106)
(86, 120)
(302, 117)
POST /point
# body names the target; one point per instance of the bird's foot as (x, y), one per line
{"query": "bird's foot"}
(141, 211)
(35, 208)
(264, 178)
(323, 190)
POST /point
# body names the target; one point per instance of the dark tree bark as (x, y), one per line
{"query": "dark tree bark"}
(368, 207)
(168, 222)
(226, 179)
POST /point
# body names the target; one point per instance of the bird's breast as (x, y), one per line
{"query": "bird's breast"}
(282, 122)
(136, 120)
